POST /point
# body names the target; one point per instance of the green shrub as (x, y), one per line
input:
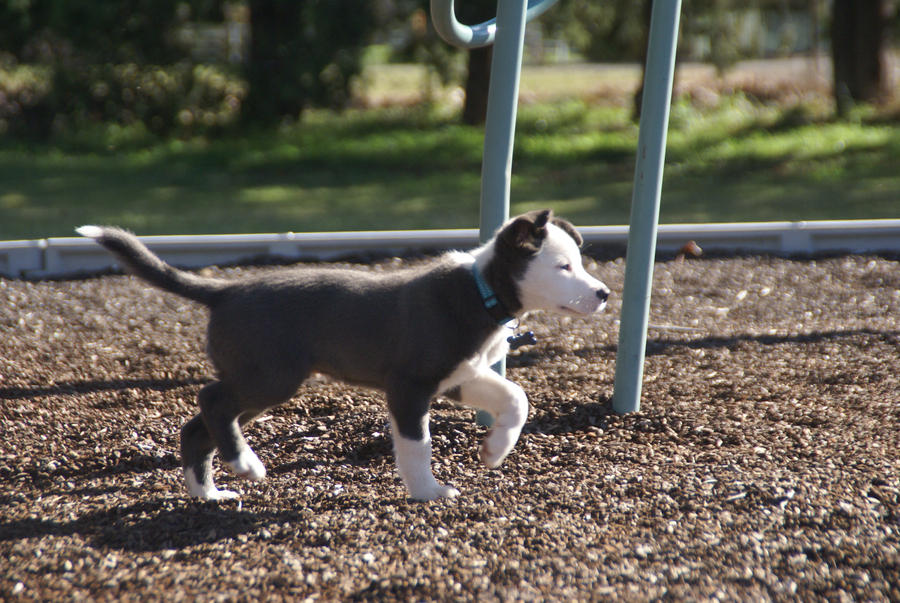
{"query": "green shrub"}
(37, 102)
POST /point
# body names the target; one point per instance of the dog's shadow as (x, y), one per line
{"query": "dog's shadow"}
(154, 525)
(172, 525)
(75, 387)
(167, 524)
(580, 417)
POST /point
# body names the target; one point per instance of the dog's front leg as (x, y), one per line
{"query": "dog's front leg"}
(412, 446)
(413, 457)
(507, 404)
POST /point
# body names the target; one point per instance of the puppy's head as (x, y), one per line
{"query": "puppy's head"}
(551, 275)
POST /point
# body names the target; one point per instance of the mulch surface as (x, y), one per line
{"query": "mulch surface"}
(763, 464)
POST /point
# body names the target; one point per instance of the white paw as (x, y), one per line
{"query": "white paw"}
(206, 491)
(434, 492)
(497, 445)
(248, 466)
(216, 495)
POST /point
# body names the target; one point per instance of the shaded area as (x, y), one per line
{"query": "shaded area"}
(78, 387)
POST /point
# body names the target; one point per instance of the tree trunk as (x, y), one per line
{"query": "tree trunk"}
(272, 75)
(857, 31)
(478, 78)
(638, 98)
(477, 84)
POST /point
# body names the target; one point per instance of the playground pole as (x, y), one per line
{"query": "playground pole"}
(500, 127)
(648, 173)
(507, 34)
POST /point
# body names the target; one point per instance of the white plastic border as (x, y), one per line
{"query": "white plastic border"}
(57, 257)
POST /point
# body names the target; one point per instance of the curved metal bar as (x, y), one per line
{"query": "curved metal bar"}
(443, 16)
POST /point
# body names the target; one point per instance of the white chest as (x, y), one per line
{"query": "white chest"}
(494, 349)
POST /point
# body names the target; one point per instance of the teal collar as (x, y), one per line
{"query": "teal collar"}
(489, 298)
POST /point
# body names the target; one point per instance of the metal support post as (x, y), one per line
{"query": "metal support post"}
(500, 129)
(648, 173)
(507, 34)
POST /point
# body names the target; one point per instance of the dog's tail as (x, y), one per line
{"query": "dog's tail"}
(142, 262)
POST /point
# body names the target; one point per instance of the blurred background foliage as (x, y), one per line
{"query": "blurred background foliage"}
(201, 66)
(202, 116)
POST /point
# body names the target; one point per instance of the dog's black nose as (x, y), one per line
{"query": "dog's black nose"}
(603, 294)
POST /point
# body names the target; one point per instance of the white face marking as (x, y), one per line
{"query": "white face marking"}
(556, 279)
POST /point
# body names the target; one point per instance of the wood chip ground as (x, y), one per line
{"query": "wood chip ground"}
(764, 464)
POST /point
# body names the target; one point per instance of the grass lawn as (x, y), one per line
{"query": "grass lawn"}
(418, 168)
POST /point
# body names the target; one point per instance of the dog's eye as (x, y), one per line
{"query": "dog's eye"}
(566, 267)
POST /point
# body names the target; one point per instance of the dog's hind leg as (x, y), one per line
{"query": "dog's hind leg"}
(412, 444)
(507, 404)
(217, 426)
(196, 456)
(223, 414)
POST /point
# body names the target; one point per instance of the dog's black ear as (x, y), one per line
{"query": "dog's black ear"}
(541, 217)
(527, 232)
(570, 230)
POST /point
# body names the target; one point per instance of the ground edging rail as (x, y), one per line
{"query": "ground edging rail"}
(65, 256)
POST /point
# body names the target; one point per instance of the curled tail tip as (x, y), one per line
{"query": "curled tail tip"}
(90, 231)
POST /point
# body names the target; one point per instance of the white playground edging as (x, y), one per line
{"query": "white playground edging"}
(66, 256)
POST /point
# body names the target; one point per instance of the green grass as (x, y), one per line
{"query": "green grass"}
(391, 168)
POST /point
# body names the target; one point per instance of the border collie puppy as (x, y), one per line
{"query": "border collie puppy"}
(413, 333)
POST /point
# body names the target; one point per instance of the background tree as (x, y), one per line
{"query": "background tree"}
(140, 31)
(425, 46)
(608, 31)
(129, 62)
(81, 46)
(303, 53)
(857, 35)
(478, 73)
(638, 98)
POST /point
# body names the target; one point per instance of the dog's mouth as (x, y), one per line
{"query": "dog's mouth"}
(580, 311)
(571, 311)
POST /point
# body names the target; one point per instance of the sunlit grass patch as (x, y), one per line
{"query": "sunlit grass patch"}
(739, 160)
